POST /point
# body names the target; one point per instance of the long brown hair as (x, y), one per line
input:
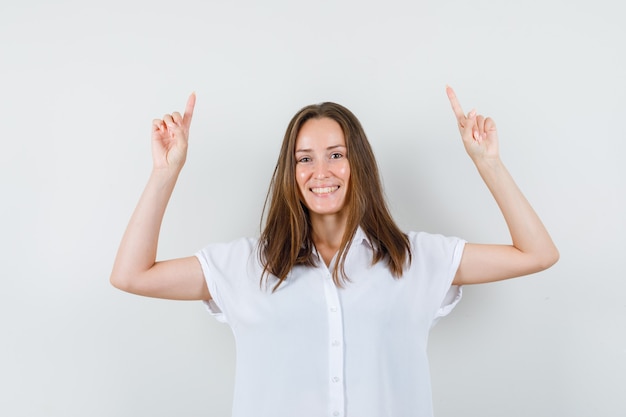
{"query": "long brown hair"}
(286, 238)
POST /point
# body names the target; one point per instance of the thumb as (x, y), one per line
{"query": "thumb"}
(468, 126)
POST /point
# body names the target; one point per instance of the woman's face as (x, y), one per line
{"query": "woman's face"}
(322, 167)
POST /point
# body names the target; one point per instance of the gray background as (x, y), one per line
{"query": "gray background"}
(80, 83)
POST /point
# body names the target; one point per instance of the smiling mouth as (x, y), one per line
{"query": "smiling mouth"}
(324, 190)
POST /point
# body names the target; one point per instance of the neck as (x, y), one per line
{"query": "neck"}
(327, 234)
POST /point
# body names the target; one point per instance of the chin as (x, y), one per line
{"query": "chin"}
(325, 211)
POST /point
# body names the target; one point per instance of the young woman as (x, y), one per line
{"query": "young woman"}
(331, 307)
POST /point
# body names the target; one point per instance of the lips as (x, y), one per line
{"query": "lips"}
(324, 190)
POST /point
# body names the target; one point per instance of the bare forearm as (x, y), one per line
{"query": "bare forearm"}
(528, 233)
(138, 248)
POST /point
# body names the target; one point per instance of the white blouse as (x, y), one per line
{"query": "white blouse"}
(311, 349)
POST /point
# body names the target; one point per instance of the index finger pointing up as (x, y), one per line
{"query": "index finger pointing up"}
(191, 103)
(454, 102)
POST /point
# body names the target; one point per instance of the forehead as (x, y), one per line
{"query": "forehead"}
(322, 132)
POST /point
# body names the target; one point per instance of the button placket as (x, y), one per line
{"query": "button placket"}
(335, 352)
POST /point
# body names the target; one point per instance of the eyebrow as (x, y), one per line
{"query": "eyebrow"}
(328, 149)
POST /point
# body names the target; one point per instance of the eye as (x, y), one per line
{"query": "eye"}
(336, 155)
(304, 159)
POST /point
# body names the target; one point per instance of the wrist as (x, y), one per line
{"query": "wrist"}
(165, 174)
(488, 163)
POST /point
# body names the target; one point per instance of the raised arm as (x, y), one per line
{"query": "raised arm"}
(135, 269)
(532, 249)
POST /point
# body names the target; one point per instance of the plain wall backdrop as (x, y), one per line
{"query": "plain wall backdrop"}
(80, 83)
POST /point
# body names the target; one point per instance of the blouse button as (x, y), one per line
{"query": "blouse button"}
(335, 379)
(335, 343)
(333, 309)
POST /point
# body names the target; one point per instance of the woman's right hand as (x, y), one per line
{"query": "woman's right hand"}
(170, 137)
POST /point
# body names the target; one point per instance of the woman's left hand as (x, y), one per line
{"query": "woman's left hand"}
(479, 134)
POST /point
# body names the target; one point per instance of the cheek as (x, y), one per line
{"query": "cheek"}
(344, 172)
(301, 177)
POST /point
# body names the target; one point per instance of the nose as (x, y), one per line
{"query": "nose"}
(320, 169)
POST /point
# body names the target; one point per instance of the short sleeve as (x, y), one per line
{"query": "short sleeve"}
(437, 259)
(455, 292)
(226, 268)
(214, 310)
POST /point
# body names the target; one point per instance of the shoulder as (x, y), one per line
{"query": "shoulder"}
(420, 237)
(237, 248)
(238, 243)
(424, 244)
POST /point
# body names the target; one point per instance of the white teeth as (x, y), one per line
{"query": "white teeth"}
(325, 190)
